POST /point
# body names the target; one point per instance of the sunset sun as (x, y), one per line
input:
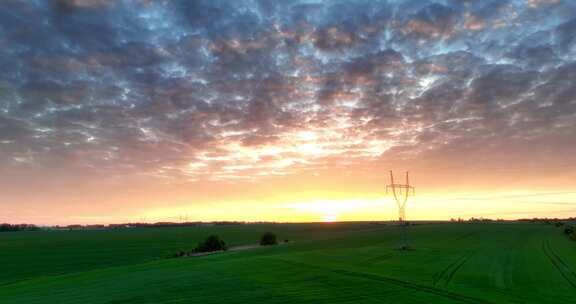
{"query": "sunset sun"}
(328, 218)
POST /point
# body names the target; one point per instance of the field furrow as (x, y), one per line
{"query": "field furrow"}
(409, 285)
(564, 269)
(448, 273)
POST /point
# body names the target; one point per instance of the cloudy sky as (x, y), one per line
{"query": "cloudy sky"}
(292, 110)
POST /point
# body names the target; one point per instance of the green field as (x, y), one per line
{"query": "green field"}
(323, 263)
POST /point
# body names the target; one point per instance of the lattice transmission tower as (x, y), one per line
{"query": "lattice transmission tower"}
(401, 193)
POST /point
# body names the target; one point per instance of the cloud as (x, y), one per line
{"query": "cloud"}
(221, 90)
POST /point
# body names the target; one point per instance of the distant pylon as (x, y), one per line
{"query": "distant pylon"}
(401, 192)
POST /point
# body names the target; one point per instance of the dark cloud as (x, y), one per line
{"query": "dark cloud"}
(214, 88)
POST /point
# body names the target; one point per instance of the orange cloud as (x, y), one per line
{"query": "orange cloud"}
(473, 23)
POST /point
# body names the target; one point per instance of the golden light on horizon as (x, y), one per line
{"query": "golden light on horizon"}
(260, 204)
(424, 206)
(329, 218)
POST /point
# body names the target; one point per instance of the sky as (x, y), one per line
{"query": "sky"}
(292, 110)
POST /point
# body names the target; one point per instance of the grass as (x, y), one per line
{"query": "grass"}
(325, 263)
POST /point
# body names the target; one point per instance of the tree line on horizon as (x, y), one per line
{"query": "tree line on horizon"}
(18, 227)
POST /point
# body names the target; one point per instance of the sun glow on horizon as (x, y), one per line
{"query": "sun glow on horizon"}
(307, 207)
(332, 210)
(329, 218)
(426, 206)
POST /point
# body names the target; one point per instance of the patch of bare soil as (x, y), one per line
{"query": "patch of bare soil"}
(235, 248)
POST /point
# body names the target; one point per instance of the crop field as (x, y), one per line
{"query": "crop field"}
(321, 263)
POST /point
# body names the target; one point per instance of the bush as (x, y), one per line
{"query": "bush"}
(212, 243)
(178, 254)
(568, 230)
(268, 238)
(573, 236)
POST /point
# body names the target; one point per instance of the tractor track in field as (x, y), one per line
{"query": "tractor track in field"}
(409, 285)
(448, 273)
(563, 268)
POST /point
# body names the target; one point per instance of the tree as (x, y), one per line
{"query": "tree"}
(211, 243)
(268, 238)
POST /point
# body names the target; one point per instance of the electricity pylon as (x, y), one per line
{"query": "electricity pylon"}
(401, 193)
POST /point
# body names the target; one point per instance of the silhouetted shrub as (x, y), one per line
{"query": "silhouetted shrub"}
(179, 254)
(559, 224)
(405, 248)
(212, 243)
(568, 230)
(268, 238)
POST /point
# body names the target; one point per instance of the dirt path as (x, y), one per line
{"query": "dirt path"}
(235, 248)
